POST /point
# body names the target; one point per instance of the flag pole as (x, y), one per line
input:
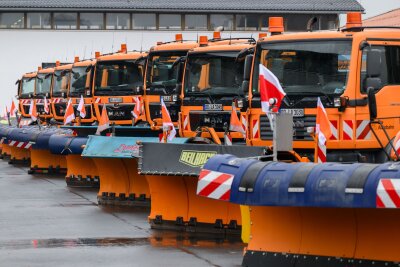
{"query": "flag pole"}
(273, 114)
(9, 118)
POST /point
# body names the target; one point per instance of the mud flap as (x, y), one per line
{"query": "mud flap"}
(172, 174)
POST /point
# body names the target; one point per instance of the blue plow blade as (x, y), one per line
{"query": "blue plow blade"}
(258, 183)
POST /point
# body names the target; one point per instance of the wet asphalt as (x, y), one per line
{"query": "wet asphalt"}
(45, 223)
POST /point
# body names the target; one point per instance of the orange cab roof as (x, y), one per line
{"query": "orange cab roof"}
(84, 63)
(224, 47)
(46, 70)
(122, 56)
(29, 74)
(175, 46)
(64, 67)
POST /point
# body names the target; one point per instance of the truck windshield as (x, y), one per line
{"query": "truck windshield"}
(61, 81)
(162, 70)
(306, 67)
(118, 77)
(43, 83)
(213, 73)
(79, 81)
(28, 86)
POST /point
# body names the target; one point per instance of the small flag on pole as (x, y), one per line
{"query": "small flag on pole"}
(104, 122)
(168, 126)
(81, 108)
(69, 113)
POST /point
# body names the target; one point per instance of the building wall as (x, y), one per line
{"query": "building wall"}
(24, 50)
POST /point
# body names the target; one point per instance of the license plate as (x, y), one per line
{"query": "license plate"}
(167, 98)
(115, 100)
(212, 107)
(296, 112)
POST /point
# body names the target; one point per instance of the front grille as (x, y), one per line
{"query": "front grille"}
(60, 109)
(216, 120)
(299, 128)
(155, 111)
(88, 111)
(120, 112)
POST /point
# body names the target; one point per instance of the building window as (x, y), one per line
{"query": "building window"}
(170, 22)
(118, 21)
(144, 21)
(11, 20)
(38, 20)
(246, 22)
(91, 21)
(220, 20)
(65, 21)
(195, 22)
(264, 23)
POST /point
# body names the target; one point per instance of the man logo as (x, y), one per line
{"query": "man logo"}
(195, 158)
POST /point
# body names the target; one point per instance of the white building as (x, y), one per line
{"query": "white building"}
(36, 31)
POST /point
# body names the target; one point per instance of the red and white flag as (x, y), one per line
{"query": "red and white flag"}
(81, 108)
(227, 139)
(69, 115)
(46, 106)
(13, 109)
(104, 122)
(168, 126)
(235, 124)
(270, 88)
(396, 144)
(138, 110)
(32, 110)
(323, 125)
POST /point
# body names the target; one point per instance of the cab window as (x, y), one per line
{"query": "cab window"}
(390, 67)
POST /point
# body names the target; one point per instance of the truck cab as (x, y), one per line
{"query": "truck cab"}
(59, 91)
(161, 78)
(44, 82)
(213, 78)
(26, 91)
(333, 66)
(81, 85)
(118, 78)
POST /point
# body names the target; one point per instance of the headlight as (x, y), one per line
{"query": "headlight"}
(336, 102)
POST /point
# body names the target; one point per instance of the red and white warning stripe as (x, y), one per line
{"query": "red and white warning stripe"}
(347, 130)
(25, 122)
(243, 119)
(186, 122)
(39, 101)
(363, 131)
(228, 140)
(215, 185)
(321, 153)
(334, 130)
(18, 144)
(388, 194)
(25, 101)
(98, 100)
(57, 100)
(256, 130)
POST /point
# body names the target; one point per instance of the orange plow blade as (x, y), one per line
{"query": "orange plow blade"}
(19, 155)
(42, 161)
(81, 172)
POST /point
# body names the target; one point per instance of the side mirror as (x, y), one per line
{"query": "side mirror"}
(374, 63)
(248, 62)
(17, 82)
(373, 111)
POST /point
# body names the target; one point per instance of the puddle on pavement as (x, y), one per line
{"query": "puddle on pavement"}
(156, 239)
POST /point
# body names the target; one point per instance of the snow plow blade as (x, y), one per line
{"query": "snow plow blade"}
(305, 214)
(116, 161)
(5, 148)
(172, 172)
(42, 161)
(81, 172)
(20, 145)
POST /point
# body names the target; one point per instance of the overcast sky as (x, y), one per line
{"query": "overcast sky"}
(375, 7)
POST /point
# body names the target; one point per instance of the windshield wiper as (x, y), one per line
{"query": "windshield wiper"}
(319, 93)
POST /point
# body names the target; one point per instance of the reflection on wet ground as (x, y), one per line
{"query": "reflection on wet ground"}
(45, 223)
